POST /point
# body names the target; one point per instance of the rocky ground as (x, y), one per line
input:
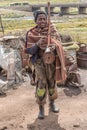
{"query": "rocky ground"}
(18, 110)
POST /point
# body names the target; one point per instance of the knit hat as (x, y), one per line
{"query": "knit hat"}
(38, 12)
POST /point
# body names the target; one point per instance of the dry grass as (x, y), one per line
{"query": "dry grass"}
(7, 2)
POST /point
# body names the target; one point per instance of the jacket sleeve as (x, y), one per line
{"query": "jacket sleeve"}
(32, 50)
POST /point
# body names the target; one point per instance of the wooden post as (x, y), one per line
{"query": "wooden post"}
(1, 25)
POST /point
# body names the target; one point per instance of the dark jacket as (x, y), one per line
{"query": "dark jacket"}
(34, 50)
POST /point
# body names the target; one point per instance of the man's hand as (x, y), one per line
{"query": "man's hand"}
(42, 43)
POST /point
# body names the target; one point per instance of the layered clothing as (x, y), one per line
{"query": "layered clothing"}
(33, 36)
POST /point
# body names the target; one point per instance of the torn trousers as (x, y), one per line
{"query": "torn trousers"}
(45, 81)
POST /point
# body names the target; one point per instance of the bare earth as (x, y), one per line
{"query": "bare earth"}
(18, 110)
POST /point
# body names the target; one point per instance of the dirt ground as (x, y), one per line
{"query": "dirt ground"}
(18, 110)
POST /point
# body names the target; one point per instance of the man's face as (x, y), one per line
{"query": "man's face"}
(41, 21)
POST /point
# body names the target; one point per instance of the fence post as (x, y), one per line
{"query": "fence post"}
(1, 25)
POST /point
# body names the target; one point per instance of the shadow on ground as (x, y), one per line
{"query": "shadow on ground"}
(49, 123)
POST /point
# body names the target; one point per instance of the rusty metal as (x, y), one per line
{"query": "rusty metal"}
(48, 56)
(83, 49)
(82, 59)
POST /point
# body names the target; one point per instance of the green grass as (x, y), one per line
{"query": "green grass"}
(76, 28)
(17, 24)
(12, 15)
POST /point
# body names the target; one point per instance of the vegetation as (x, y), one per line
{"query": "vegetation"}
(12, 15)
(7, 2)
(76, 27)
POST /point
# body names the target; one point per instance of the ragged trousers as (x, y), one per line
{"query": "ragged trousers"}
(45, 81)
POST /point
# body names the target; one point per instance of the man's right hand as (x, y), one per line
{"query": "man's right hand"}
(42, 43)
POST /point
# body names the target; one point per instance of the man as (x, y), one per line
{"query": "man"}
(47, 74)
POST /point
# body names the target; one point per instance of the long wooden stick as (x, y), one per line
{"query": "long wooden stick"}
(49, 37)
(2, 25)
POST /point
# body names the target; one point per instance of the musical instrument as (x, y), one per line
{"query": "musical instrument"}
(48, 56)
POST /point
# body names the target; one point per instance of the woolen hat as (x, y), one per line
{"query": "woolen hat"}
(38, 12)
